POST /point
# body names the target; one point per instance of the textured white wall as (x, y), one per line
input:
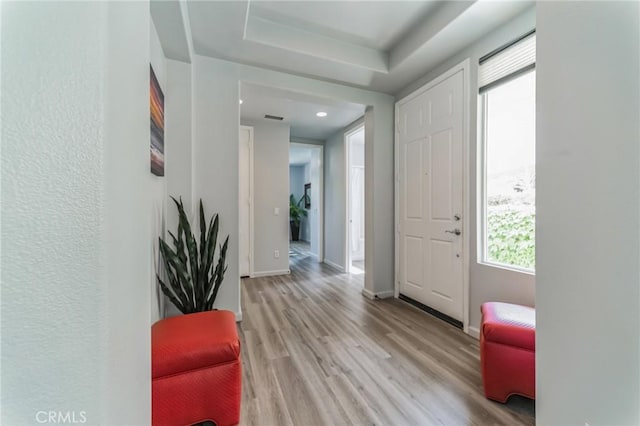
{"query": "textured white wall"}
(486, 283)
(75, 295)
(178, 155)
(178, 170)
(588, 213)
(126, 370)
(271, 190)
(216, 131)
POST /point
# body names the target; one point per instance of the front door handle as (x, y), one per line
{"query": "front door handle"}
(455, 231)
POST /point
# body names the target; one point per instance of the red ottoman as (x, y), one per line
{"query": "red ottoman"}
(195, 366)
(508, 350)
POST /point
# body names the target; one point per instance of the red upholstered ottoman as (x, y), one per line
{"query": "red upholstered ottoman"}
(508, 350)
(195, 366)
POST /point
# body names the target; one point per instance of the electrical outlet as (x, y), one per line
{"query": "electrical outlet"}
(276, 254)
(276, 211)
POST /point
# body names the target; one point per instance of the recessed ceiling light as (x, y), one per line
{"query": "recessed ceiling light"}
(321, 114)
(240, 101)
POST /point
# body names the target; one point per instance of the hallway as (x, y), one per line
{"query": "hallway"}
(316, 352)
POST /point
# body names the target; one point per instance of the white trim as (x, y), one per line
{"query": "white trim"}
(396, 204)
(347, 178)
(320, 255)
(239, 316)
(384, 294)
(463, 66)
(271, 273)
(251, 225)
(474, 332)
(333, 265)
(378, 295)
(466, 191)
(368, 293)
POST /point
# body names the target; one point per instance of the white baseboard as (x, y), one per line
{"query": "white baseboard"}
(239, 316)
(379, 295)
(333, 265)
(385, 294)
(368, 294)
(270, 273)
(474, 332)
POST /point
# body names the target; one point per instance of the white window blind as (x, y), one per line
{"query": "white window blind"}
(507, 62)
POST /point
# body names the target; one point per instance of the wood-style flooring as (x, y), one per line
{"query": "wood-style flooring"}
(316, 352)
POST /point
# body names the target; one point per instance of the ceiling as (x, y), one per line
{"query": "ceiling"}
(298, 110)
(378, 45)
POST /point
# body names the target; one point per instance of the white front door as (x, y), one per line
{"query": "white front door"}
(430, 143)
(244, 200)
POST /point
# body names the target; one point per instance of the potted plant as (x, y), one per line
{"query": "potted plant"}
(296, 212)
(192, 278)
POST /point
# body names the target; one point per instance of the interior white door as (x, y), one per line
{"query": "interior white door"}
(430, 128)
(244, 200)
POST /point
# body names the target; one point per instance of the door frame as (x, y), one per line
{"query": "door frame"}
(251, 230)
(347, 174)
(320, 148)
(463, 66)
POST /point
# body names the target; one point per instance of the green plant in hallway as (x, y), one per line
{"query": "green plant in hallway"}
(296, 213)
(192, 278)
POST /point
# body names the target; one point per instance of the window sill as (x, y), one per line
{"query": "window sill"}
(508, 268)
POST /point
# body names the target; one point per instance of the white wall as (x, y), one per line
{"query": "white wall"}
(487, 283)
(75, 235)
(312, 176)
(588, 213)
(335, 196)
(271, 191)
(216, 130)
(178, 158)
(178, 152)
(215, 135)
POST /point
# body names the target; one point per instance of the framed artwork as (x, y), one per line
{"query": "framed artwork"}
(307, 195)
(156, 102)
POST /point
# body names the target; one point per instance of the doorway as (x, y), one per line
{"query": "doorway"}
(355, 229)
(306, 194)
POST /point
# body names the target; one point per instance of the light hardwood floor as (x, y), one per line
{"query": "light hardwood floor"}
(316, 352)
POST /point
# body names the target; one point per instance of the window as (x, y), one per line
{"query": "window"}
(507, 204)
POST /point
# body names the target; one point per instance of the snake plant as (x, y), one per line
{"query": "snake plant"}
(192, 279)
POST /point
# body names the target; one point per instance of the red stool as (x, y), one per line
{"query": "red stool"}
(195, 366)
(508, 350)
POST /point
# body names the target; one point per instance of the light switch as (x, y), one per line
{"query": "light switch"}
(276, 211)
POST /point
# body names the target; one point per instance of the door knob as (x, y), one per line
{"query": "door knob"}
(455, 231)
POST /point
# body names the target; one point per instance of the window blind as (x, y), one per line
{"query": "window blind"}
(507, 62)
